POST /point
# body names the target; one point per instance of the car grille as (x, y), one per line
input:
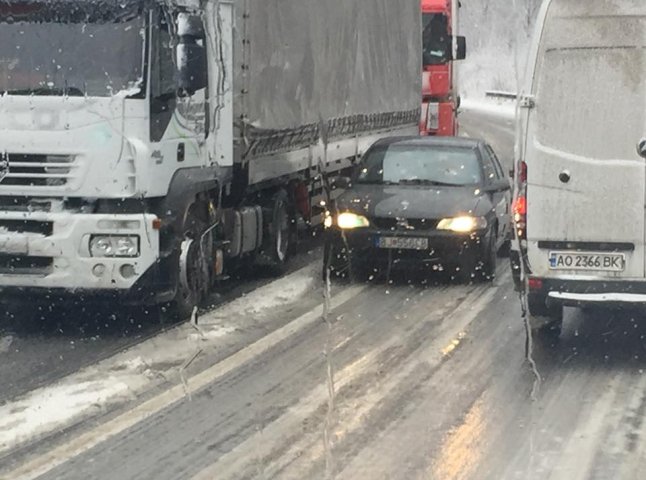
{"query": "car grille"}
(410, 224)
(36, 170)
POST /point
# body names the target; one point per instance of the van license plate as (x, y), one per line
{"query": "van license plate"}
(403, 243)
(597, 262)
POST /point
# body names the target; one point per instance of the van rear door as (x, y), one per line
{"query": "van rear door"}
(586, 184)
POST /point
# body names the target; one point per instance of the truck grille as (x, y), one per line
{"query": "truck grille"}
(36, 170)
(24, 265)
(27, 226)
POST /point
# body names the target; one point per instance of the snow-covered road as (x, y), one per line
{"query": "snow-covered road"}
(407, 379)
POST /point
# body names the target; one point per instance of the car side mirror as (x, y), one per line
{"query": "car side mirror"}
(460, 48)
(641, 148)
(191, 54)
(342, 182)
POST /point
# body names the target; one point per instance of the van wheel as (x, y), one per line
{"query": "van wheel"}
(505, 249)
(544, 320)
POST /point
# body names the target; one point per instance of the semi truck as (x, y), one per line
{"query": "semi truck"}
(147, 147)
(441, 48)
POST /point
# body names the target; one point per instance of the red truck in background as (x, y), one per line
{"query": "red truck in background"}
(441, 47)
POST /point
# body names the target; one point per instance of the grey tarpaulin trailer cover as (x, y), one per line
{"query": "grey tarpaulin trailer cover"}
(314, 70)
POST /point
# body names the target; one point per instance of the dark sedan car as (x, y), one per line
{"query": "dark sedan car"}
(422, 202)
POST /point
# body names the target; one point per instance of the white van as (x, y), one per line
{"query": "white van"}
(580, 174)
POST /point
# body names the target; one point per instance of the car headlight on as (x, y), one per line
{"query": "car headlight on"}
(350, 221)
(114, 246)
(463, 224)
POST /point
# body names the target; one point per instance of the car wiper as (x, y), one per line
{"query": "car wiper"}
(422, 181)
(70, 91)
(382, 182)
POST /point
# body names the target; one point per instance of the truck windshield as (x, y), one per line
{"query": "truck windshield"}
(52, 54)
(436, 38)
(414, 165)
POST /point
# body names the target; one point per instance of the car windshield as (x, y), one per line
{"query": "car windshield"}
(52, 53)
(444, 166)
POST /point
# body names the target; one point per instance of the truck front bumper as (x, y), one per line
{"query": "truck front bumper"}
(41, 251)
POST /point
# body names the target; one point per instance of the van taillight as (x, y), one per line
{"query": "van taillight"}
(520, 216)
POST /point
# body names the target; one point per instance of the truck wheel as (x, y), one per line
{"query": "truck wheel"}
(192, 267)
(277, 243)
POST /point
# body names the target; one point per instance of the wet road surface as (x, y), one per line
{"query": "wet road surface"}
(402, 379)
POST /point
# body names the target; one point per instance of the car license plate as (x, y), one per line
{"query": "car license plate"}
(598, 262)
(403, 243)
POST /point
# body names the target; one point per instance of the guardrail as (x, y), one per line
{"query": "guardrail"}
(500, 94)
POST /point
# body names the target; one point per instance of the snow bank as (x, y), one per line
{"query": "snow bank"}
(127, 375)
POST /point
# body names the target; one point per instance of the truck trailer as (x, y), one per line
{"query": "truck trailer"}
(146, 147)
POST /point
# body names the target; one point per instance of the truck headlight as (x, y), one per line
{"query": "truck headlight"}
(114, 246)
(462, 224)
(350, 221)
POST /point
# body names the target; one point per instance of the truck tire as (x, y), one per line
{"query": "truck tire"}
(193, 277)
(278, 238)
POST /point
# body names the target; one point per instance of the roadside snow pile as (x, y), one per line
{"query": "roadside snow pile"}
(96, 389)
(273, 295)
(57, 405)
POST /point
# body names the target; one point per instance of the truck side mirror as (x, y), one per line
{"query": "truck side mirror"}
(191, 67)
(641, 148)
(461, 48)
(191, 54)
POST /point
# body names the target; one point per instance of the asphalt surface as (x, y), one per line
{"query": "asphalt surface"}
(68, 339)
(407, 378)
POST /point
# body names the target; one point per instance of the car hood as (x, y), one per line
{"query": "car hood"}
(395, 201)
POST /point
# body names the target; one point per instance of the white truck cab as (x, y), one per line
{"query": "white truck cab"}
(147, 146)
(580, 175)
